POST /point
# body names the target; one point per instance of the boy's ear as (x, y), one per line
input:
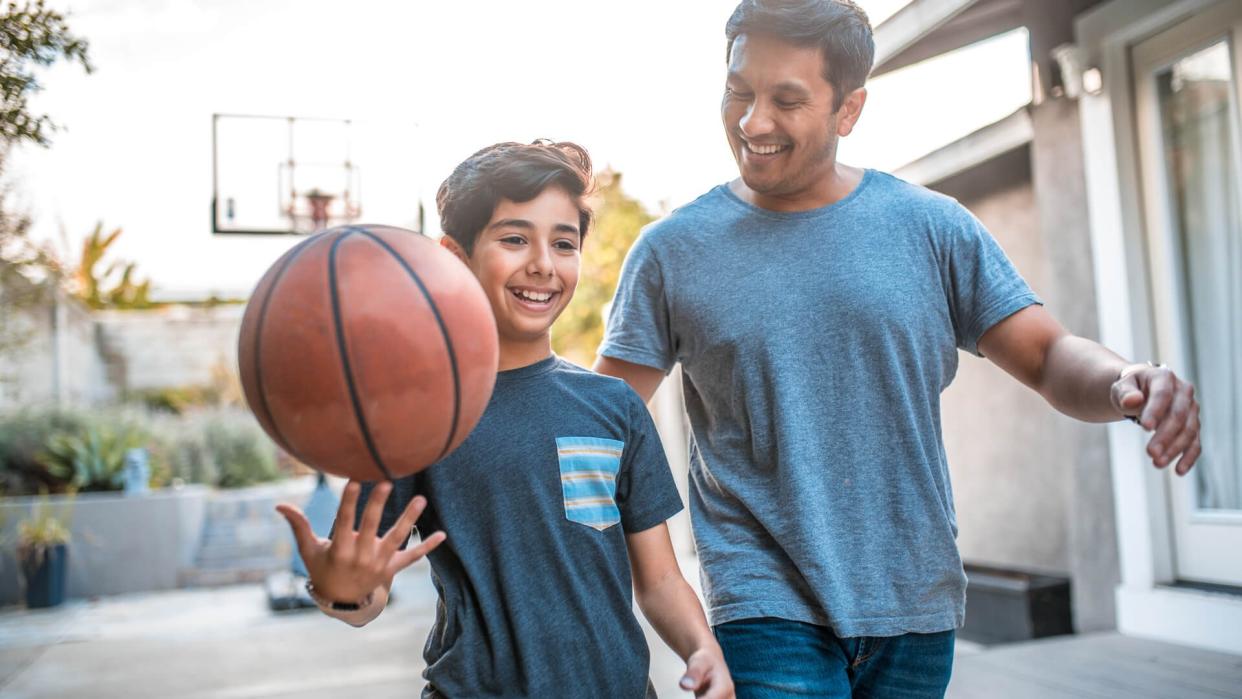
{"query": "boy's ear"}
(452, 246)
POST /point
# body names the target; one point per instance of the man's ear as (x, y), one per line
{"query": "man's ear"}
(452, 246)
(850, 111)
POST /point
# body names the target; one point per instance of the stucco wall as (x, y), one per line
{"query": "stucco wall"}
(1011, 496)
(168, 347)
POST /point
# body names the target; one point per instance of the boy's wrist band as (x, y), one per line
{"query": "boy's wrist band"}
(335, 606)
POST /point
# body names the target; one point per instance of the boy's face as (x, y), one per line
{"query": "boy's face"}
(527, 260)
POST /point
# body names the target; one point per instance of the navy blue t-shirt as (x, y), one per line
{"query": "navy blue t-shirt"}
(534, 579)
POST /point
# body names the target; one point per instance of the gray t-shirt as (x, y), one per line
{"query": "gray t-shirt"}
(814, 347)
(534, 579)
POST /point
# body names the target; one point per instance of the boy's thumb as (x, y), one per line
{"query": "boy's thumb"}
(696, 670)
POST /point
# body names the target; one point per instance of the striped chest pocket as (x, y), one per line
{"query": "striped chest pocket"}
(589, 467)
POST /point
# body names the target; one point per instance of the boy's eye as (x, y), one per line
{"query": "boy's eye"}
(565, 245)
(513, 239)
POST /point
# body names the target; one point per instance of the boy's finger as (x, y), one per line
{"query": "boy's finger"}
(374, 511)
(345, 514)
(405, 559)
(301, 527)
(401, 530)
(696, 673)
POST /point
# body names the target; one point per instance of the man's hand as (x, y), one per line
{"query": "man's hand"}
(350, 565)
(707, 675)
(1165, 405)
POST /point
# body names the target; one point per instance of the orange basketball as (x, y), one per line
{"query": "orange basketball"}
(368, 352)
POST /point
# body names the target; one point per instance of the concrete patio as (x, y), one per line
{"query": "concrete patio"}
(223, 643)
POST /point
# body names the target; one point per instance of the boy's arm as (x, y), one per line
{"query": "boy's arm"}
(674, 611)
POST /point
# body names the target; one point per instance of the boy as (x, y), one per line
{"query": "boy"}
(561, 479)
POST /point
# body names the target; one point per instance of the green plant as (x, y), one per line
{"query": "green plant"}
(221, 446)
(93, 459)
(24, 434)
(43, 529)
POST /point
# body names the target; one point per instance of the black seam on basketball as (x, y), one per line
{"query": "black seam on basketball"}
(448, 342)
(345, 366)
(260, 324)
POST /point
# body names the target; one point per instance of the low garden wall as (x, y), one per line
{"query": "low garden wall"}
(165, 539)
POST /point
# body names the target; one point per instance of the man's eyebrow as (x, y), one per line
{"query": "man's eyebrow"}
(790, 86)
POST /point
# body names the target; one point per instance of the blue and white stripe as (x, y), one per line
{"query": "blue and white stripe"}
(589, 468)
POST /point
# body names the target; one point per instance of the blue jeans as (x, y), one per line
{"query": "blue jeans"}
(774, 658)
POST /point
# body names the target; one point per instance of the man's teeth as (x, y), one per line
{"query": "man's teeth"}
(533, 295)
(764, 150)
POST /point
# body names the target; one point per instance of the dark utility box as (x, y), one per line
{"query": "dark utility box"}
(1003, 606)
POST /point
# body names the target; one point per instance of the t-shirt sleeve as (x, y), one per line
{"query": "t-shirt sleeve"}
(646, 493)
(984, 287)
(638, 329)
(403, 491)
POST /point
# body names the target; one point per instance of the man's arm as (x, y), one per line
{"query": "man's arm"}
(643, 379)
(674, 611)
(1087, 381)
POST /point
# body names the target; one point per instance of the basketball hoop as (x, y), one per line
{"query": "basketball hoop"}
(320, 209)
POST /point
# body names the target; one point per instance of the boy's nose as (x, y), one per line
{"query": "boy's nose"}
(540, 262)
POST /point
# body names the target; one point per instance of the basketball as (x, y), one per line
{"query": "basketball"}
(368, 352)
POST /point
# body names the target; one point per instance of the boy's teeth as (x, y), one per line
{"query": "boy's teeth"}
(534, 295)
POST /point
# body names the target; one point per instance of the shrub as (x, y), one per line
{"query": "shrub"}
(24, 434)
(224, 447)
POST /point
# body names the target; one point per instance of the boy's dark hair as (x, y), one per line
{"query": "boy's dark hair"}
(838, 28)
(518, 172)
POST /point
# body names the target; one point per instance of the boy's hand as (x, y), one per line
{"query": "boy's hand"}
(707, 675)
(350, 565)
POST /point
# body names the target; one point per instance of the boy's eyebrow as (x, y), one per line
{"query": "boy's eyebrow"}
(523, 223)
(512, 223)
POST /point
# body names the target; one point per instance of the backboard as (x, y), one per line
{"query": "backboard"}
(282, 175)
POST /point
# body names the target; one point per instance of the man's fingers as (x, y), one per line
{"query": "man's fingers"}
(1189, 457)
(345, 514)
(405, 559)
(401, 530)
(1160, 388)
(301, 527)
(1181, 441)
(374, 512)
(1170, 427)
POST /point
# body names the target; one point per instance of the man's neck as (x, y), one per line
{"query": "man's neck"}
(836, 184)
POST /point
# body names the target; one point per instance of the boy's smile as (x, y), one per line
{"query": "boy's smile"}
(526, 259)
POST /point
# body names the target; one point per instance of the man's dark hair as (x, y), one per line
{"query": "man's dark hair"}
(518, 172)
(838, 28)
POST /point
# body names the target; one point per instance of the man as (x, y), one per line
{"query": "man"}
(816, 310)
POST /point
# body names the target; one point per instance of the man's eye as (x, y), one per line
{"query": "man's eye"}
(786, 105)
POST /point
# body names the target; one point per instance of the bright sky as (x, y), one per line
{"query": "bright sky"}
(638, 83)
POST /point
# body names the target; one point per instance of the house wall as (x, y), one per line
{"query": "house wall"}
(1011, 498)
(59, 360)
(168, 347)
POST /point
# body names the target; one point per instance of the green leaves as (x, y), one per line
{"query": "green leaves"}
(31, 35)
(96, 283)
(93, 459)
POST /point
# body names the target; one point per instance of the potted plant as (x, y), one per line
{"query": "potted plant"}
(43, 554)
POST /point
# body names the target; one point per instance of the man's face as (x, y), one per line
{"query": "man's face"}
(527, 260)
(779, 117)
